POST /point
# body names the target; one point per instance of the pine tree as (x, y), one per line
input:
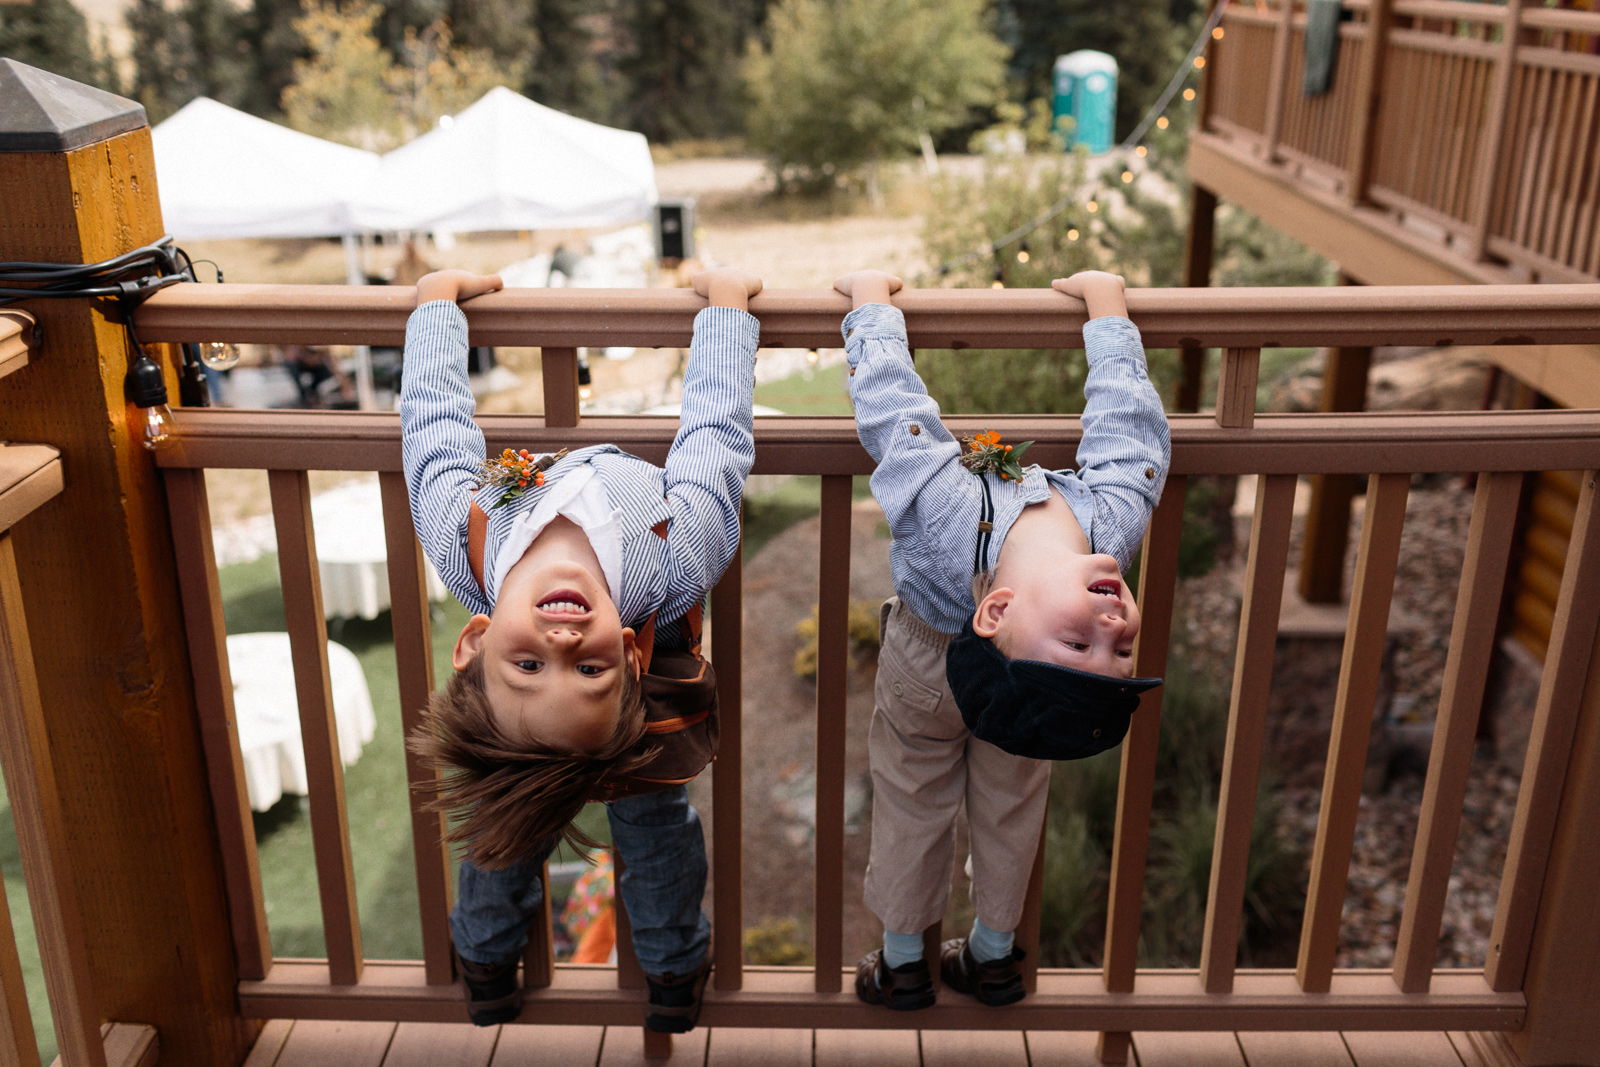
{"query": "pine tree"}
(165, 67)
(683, 68)
(54, 36)
(1141, 34)
(222, 60)
(567, 74)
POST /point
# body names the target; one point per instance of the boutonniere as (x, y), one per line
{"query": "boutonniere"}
(516, 472)
(988, 454)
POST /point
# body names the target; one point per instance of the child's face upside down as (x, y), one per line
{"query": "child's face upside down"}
(555, 649)
(1079, 613)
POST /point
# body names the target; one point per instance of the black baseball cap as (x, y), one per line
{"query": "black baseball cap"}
(1038, 710)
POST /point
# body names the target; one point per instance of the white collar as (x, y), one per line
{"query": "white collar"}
(581, 497)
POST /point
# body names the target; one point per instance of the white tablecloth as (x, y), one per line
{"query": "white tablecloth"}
(352, 554)
(269, 718)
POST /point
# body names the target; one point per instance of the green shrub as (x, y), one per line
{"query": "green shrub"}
(864, 637)
(777, 943)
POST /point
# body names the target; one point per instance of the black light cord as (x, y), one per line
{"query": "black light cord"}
(128, 279)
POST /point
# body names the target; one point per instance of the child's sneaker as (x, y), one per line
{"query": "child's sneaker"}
(493, 996)
(996, 983)
(907, 987)
(675, 999)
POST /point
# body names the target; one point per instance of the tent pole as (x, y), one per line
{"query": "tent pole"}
(366, 399)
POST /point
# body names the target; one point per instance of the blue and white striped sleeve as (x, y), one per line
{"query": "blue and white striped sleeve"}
(711, 455)
(441, 447)
(1126, 446)
(919, 481)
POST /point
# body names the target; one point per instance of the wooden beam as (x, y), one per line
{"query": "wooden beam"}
(1399, 303)
(1413, 442)
(1327, 529)
(30, 475)
(785, 997)
(108, 640)
(1198, 252)
(1365, 107)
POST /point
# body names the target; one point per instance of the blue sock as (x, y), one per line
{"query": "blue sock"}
(989, 945)
(901, 949)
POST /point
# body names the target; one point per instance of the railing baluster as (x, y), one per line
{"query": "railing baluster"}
(1236, 388)
(560, 368)
(1130, 844)
(41, 834)
(539, 958)
(190, 517)
(1483, 574)
(629, 974)
(1247, 713)
(19, 1047)
(308, 643)
(1032, 913)
(1567, 664)
(1279, 87)
(1488, 168)
(1366, 634)
(833, 623)
(727, 807)
(413, 656)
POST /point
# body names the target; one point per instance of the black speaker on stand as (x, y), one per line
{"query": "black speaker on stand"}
(675, 229)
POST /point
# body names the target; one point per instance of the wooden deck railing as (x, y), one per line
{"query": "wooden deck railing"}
(1477, 124)
(1500, 447)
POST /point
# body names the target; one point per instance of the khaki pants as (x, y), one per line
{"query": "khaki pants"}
(924, 764)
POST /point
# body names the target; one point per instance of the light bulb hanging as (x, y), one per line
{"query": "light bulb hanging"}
(219, 355)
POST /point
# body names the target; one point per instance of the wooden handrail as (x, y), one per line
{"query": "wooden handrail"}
(17, 339)
(1409, 442)
(1354, 316)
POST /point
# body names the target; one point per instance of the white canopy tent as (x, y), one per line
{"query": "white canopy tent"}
(507, 163)
(225, 174)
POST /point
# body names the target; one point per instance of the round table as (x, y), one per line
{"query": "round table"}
(268, 716)
(352, 554)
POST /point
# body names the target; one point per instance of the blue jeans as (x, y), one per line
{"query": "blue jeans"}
(663, 853)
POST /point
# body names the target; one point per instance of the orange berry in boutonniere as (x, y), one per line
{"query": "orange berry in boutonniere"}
(989, 455)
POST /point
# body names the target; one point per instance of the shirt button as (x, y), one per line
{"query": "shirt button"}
(852, 372)
(1149, 472)
(1097, 733)
(899, 690)
(915, 429)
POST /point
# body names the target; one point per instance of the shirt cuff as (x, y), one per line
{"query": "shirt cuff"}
(1111, 337)
(876, 322)
(740, 326)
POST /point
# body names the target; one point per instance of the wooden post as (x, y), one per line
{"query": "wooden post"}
(1198, 245)
(1505, 77)
(1327, 536)
(1562, 982)
(1369, 95)
(100, 591)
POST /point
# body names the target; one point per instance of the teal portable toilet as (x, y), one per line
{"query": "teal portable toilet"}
(1086, 91)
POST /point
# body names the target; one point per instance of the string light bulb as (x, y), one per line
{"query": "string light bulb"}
(1141, 151)
(219, 355)
(147, 390)
(1188, 94)
(1072, 235)
(813, 357)
(1161, 123)
(1093, 206)
(1022, 253)
(1199, 62)
(999, 280)
(1127, 177)
(1216, 34)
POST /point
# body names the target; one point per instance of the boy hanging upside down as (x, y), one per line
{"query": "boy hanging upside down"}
(1009, 642)
(564, 566)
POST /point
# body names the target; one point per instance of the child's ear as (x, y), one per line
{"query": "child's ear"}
(630, 651)
(470, 643)
(991, 611)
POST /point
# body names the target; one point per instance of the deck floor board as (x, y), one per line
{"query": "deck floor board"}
(308, 1043)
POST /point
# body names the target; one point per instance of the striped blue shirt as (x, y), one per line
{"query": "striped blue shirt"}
(933, 502)
(697, 494)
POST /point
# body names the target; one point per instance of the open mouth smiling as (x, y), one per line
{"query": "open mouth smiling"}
(1109, 587)
(566, 603)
